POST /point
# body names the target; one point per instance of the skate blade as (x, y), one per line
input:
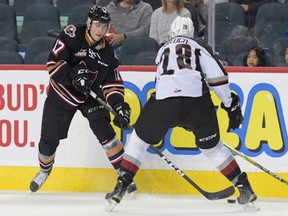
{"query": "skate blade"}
(133, 194)
(251, 207)
(110, 205)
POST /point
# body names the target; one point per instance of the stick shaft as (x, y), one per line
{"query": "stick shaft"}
(209, 195)
(256, 164)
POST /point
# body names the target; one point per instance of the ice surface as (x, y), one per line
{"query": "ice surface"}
(15, 203)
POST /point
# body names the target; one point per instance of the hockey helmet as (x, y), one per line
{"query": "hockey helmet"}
(98, 14)
(181, 26)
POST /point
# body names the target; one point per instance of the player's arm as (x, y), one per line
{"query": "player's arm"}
(217, 79)
(58, 62)
(113, 91)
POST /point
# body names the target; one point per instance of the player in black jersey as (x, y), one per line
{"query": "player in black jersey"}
(186, 71)
(82, 60)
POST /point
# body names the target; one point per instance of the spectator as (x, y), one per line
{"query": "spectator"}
(202, 9)
(128, 18)
(251, 8)
(163, 17)
(256, 57)
(202, 6)
(198, 22)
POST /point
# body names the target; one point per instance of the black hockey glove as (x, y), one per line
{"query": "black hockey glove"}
(122, 119)
(234, 113)
(81, 79)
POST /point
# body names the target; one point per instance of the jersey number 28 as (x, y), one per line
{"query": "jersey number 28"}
(183, 53)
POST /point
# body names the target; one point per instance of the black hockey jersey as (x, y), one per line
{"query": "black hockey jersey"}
(72, 46)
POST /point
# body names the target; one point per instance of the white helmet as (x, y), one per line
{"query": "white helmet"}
(181, 26)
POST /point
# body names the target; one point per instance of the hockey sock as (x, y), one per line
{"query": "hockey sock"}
(223, 160)
(114, 151)
(46, 162)
(135, 153)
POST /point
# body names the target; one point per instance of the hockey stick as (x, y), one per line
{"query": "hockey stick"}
(227, 192)
(256, 164)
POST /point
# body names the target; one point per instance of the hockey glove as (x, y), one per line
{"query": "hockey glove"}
(81, 79)
(122, 118)
(234, 113)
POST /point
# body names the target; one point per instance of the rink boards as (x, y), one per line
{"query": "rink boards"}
(81, 164)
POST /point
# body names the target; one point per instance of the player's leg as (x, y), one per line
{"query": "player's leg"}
(208, 141)
(55, 125)
(151, 126)
(100, 124)
(111, 144)
(225, 162)
(46, 157)
(135, 153)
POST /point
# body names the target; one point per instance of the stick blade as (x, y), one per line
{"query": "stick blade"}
(227, 192)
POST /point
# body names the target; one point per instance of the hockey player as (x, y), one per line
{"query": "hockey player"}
(82, 60)
(186, 71)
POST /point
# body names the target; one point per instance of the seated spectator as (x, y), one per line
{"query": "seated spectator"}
(163, 17)
(256, 57)
(251, 8)
(279, 60)
(198, 22)
(128, 18)
(202, 6)
(202, 9)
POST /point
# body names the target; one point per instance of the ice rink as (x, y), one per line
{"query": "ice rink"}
(87, 204)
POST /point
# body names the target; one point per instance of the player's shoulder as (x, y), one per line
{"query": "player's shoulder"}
(203, 44)
(73, 33)
(200, 41)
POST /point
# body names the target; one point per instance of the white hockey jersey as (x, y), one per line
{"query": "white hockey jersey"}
(188, 68)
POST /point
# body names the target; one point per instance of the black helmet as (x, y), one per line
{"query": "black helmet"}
(97, 13)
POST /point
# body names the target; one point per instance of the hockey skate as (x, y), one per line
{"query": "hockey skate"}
(115, 197)
(247, 196)
(39, 180)
(131, 189)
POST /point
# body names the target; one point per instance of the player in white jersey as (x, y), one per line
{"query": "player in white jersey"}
(186, 72)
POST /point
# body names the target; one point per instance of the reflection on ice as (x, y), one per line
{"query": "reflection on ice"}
(14, 203)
